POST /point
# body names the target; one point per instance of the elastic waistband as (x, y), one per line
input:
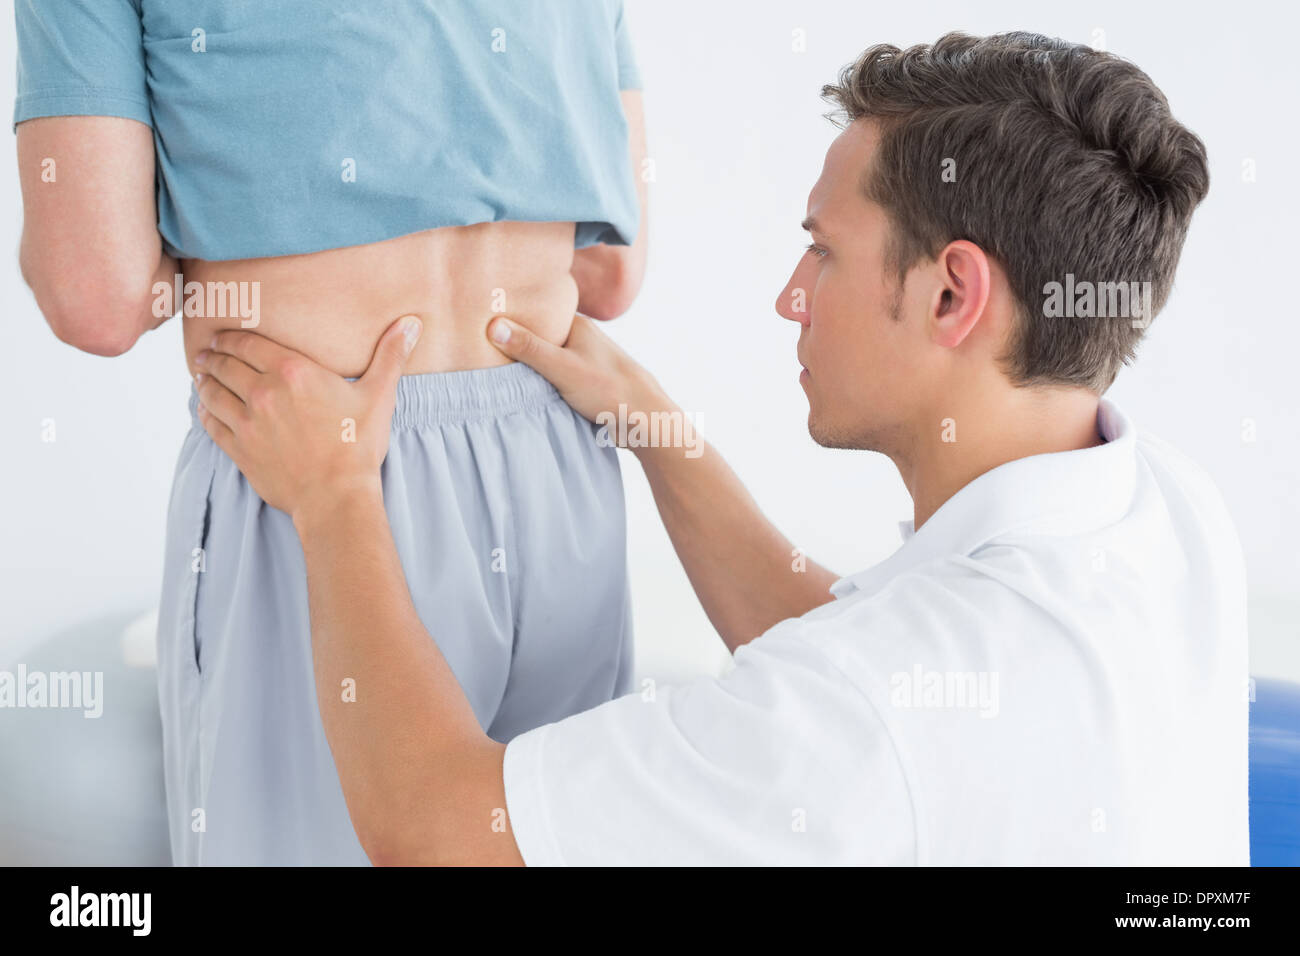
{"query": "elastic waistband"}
(439, 398)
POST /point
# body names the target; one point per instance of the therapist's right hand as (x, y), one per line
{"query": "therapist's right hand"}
(592, 373)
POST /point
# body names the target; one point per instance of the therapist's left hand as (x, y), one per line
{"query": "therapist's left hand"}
(302, 436)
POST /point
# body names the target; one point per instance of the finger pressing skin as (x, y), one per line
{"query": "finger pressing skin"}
(582, 330)
(236, 374)
(551, 361)
(221, 402)
(390, 356)
(221, 435)
(257, 351)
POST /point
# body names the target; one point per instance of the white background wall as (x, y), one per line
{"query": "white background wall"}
(737, 136)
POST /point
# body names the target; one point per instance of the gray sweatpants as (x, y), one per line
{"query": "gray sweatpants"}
(508, 518)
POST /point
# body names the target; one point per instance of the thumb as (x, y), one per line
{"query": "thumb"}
(550, 361)
(391, 353)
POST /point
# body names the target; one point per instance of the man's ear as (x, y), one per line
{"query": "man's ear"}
(962, 294)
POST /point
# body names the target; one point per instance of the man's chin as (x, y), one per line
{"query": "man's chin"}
(831, 434)
(822, 434)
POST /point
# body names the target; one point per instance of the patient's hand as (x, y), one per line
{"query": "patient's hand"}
(300, 434)
(592, 373)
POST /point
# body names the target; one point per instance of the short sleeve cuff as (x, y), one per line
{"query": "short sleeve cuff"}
(526, 799)
(601, 233)
(629, 77)
(82, 103)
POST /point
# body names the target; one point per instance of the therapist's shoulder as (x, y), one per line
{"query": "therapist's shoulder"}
(1194, 506)
(919, 613)
(939, 585)
(1179, 474)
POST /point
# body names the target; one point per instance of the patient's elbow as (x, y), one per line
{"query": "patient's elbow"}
(609, 304)
(94, 332)
(614, 285)
(91, 316)
(615, 295)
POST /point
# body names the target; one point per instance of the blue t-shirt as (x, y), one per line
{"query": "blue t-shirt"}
(292, 126)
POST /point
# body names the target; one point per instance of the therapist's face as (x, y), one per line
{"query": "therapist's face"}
(861, 355)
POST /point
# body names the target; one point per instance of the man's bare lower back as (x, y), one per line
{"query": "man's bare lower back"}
(334, 305)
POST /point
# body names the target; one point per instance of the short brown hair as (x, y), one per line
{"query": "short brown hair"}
(1066, 160)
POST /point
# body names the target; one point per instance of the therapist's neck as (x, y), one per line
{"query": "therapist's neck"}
(992, 423)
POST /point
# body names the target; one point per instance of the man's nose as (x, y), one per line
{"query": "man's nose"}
(792, 303)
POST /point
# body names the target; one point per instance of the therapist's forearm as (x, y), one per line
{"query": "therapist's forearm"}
(746, 574)
(423, 783)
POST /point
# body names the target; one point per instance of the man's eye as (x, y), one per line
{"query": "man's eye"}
(815, 249)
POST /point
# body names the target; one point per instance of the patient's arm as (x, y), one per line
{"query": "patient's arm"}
(90, 246)
(743, 569)
(609, 277)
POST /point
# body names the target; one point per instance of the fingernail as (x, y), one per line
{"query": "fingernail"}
(201, 357)
(411, 333)
(198, 379)
(501, 331)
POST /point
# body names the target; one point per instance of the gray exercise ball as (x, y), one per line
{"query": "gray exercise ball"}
(79, 791)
